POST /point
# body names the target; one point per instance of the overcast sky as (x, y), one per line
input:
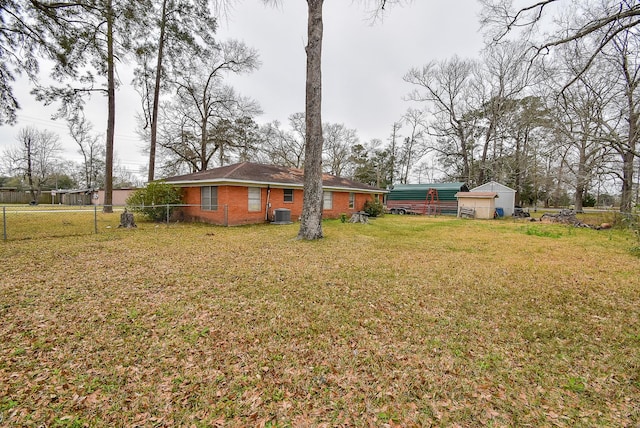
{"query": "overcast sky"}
(363, 66)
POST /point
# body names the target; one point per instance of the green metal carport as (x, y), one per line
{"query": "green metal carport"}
(414, 197)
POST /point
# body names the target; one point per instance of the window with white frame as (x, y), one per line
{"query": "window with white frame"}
(209, 198)
(327, 200)
(255, 203)
(288, 195)
(352, 200)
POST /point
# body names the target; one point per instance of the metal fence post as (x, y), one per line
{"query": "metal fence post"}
(4, 222)
(95, 219)
(167, 213)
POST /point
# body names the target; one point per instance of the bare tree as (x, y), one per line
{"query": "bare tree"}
(195, 136)
(338, 140)
(445, 89)
(202, 101)
(604, 19)
(284, 147)
(393, 147)
(501, 77)
(527, 126)
(90, 148)
(580, 118)
(34, 158)
(599, 31)
(624, 127)
(414, 146)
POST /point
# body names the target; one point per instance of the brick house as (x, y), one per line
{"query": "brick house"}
(246, 192)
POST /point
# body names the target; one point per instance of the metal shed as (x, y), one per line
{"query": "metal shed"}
(418, 199)
(506, 196)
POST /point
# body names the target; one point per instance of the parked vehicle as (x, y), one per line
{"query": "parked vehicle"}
(520, 213)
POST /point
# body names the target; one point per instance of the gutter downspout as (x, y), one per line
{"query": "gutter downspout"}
(266, 211)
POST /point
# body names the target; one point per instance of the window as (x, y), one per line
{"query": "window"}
(352, 200)
(254, 199)
(209, 198)
(327, 200)
(288, 195)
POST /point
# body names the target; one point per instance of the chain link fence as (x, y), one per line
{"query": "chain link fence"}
(33, 222)
(20, 222)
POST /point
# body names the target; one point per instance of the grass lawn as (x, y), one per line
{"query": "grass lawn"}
(407, 321)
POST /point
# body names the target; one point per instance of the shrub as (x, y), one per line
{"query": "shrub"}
(588, 201)
(154, 200)
(373, 208)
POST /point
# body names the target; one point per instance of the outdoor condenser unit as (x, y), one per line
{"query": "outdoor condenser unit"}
(281, 216)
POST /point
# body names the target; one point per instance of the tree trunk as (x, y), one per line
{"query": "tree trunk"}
(311, 219)
(626, 195)
(581, 178)
(488, 137)
(111, 115)
(126, 220)
(32, 188)
(204, 158)
(464, 152)
(628, 157)
(629, 152)
(518, 169)
(394, 133)
(156, 95)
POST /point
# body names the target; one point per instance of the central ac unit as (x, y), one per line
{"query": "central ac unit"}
(281, 216)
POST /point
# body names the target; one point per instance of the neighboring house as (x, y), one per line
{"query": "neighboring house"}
(506, 196)
(247, 193)
(72, 196)
(119, 197)
(481, 204)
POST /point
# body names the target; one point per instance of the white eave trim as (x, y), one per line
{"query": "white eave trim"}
(249, 183)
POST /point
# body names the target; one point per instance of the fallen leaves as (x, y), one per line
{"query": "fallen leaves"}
(444, 326)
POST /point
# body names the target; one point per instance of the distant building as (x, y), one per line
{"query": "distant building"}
(506, 196)
(119, 197)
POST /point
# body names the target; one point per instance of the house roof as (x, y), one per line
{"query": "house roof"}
(248, 173)
(477, 195)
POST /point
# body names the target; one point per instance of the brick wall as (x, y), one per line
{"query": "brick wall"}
(233, 205)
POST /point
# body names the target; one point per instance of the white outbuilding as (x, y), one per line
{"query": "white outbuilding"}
(506, 196)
